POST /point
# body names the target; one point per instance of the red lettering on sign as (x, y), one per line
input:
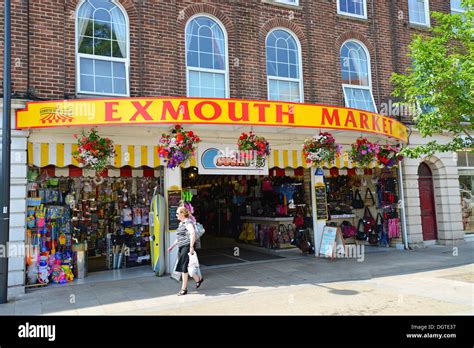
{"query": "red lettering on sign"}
(141, 110)
(384, 125)
(375, 123)
(363, 120)
(334, 118)
(350, 119)
(182, 109)
(261, 111)
(280, 113)
(215, 106)
(390, 122)
(109, 111)
(245, 112)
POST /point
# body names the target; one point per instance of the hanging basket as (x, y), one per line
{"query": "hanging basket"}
(321, 148)
(363, 152)
(388, 155)
(177, 147)
(253, 147)
(93, 151)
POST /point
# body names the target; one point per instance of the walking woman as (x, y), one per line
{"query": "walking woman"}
(186, 236)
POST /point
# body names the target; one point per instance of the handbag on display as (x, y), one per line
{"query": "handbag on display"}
(357, 202)
(361, 235)
(282, 209)
(267, 185)
(369, 221)
(369, 201)
(348, 230)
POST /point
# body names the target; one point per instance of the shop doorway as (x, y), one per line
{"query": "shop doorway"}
(247, 217)
(428, 213)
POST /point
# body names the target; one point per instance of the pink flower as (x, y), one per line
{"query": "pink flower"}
(364, 152)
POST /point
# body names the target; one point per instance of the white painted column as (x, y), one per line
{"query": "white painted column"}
(172, 180)
(15, 248)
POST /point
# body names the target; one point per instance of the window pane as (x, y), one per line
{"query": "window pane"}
(355, 7)
(102, 15)
(193, 59)
(102, 47)
(271, 69)
(219, 62)
(120, 86)
(284, 90)
(103, 85)
(86, 45)
(416, 9)
(103, 68)
(89, 29)
(119, 70)
(116, 50)
(105, 4)
(102, 30)
(359, 99)
(283, 70)
(203, 84)
(293, 71)
(87, 66)
(205, 61)
(87, 83)
(205, 44)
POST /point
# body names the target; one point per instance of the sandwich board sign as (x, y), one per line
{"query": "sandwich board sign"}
(331, 240)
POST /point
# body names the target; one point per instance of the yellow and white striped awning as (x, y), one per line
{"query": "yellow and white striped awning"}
(136, 156)
(60, 155)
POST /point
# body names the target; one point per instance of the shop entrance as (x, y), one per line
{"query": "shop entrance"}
(428, 213)
(248, 217)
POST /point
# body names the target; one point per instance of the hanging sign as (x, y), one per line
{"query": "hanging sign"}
(321, 201)
(174, 197)
(226, 159)
(168, 110)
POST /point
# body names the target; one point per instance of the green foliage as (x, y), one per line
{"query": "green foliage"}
(441, 82)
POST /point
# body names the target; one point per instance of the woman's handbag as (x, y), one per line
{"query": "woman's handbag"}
(369, 221)
(357, 202)
(361, 235)
(369, 201)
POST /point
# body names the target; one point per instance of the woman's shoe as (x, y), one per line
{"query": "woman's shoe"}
(182, 292)
(198, 284)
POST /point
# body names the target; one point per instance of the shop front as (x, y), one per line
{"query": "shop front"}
(281, 203)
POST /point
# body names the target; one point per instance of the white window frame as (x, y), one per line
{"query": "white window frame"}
(288, 2)
(107, 59)
(369, 73)
(214, 71)
(300, 65)
(427, 15)
(351, 14)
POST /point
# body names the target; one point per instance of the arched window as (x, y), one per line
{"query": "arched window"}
(206, 58)
(283, 56)
(356, 80)
(102, 48)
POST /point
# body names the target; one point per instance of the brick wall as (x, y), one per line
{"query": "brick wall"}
(157, 60)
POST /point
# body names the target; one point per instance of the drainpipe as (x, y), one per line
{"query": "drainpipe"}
(402, 205)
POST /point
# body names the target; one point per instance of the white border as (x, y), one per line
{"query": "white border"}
(288, 2)
(79, 55)
(227, 87)
(300, 63)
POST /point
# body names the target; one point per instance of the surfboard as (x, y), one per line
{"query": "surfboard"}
(157, 234)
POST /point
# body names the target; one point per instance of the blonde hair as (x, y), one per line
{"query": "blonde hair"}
(184, 211)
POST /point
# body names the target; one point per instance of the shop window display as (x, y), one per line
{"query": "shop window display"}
(111, 218)
(365, 206)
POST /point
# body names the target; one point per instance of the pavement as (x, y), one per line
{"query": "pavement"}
(437, 280)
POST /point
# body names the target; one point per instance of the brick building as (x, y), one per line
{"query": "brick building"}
(144, 51)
